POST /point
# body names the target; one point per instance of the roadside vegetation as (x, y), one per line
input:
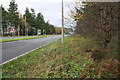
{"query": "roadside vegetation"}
(16, 39)
(78, 57)
(92, 52)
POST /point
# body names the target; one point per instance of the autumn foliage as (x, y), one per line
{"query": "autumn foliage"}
(98, 20)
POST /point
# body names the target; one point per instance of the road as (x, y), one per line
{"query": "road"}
(12, 50)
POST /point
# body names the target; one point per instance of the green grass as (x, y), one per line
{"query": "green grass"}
(16, 39)
(56, 60)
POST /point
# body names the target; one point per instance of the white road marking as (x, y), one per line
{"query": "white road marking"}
(25, 53)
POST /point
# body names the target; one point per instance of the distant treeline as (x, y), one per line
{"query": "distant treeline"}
(27, 23)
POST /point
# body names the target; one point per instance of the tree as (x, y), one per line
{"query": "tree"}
(22, 25)
(35, 23)
(58, 30)
(98, 20)
(32, 20)
(52, 29)
(28, 17)
(40, 21)
(32, 30)
(13, 13)
(47, 27)
(28, 21)
(4, 19)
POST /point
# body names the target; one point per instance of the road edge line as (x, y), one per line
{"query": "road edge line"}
(26, 53)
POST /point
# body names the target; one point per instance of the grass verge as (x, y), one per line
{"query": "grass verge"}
(56, 60)
(16, 39)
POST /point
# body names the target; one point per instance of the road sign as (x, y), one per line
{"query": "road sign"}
(39, 32)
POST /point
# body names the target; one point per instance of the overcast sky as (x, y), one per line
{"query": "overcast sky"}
(51, 9)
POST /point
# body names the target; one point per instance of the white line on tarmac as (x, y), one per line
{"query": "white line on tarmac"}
(25, 53)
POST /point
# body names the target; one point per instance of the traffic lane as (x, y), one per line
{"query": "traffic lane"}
(13, 49)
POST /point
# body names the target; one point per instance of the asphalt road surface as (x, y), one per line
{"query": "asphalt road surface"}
(11, 50)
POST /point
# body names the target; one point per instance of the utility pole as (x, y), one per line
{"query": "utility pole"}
(62, 21)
